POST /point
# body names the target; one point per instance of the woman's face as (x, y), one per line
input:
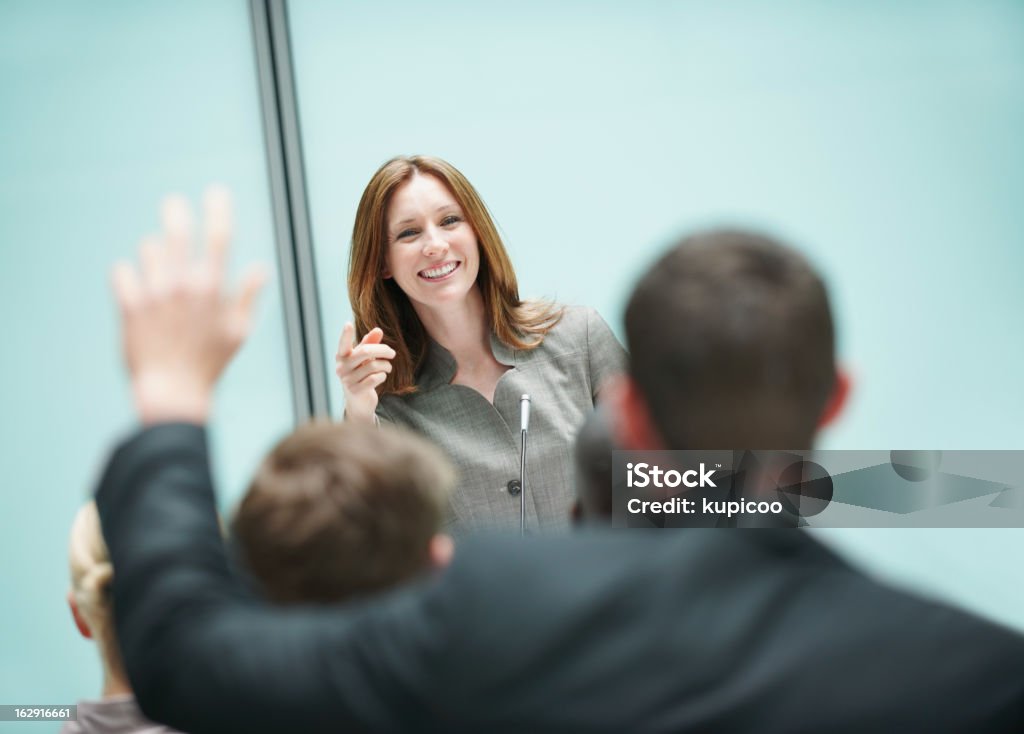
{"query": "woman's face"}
(432, 250)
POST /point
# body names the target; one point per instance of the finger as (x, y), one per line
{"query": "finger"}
(348, 367)
(365, 352)
(218, 227)
(252, 283)
(373, 336)
(369, 351)
(152, 265)
(345, 343)
(176, 216)
(368, 368)
(126, 285)
(353, 374)
(370, 381)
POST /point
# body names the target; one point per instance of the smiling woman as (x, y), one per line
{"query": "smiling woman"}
(448, 346)
(432, 252)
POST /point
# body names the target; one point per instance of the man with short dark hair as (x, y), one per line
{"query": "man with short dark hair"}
(599, 632)
(340, 510)
(732, 346)
(748, 360)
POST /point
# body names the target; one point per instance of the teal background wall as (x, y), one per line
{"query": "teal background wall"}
(106, 107)
(884, 139)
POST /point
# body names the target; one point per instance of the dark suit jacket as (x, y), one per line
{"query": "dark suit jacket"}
(613, 631)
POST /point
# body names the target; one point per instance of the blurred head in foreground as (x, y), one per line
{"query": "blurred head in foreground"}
(338, 510)
(731, 346)
(90, 595)
(594, 477)
(90, 599)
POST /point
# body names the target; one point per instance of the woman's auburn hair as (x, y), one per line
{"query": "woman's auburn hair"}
(377, 301)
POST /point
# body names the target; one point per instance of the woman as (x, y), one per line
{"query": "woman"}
(449, 347)
(89, 598)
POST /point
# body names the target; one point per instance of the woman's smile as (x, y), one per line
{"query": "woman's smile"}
(440, 272)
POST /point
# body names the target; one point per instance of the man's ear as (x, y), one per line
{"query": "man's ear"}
(632, 427)
(837, 399)
(83, 628)
(441, 550)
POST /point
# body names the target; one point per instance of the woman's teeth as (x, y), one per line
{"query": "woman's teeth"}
(440, 272)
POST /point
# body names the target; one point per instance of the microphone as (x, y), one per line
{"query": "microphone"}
(524, 425)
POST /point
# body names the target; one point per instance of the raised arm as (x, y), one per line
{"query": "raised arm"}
(201, 654)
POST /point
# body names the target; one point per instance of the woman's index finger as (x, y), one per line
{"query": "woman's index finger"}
(345, 343)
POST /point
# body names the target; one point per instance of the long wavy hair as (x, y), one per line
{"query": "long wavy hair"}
(377, 301)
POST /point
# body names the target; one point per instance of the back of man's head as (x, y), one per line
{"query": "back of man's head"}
(731, 344)
(338, 510)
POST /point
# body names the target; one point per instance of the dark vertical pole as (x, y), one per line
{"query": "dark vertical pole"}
(290, 206)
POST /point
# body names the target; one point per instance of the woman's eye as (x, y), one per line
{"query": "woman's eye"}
(405, 233)
(449, 220)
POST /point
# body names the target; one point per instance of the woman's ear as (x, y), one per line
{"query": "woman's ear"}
(83, 628)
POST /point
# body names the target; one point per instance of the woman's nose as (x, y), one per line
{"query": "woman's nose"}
(434, 243)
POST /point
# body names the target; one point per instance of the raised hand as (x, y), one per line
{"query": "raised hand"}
(362, 369)
(179, 329)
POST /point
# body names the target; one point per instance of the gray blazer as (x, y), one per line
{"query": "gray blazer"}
(562, 377)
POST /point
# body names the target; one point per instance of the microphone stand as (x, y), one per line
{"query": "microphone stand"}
(524, 424)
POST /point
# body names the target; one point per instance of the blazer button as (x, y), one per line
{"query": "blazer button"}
(514, 487)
